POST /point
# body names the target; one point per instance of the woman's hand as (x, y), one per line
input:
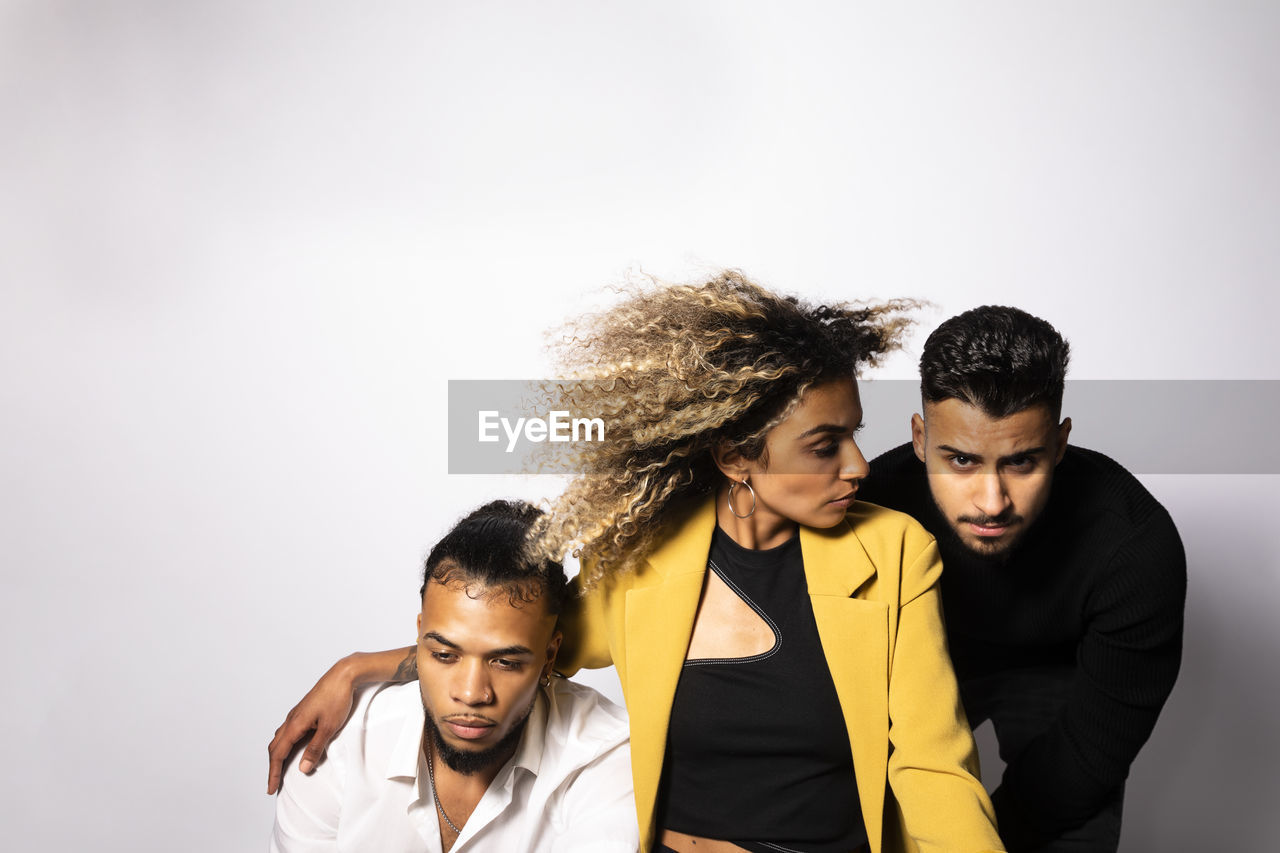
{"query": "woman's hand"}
(324, 710)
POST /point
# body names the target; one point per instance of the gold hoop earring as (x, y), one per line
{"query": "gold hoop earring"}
(733, 485)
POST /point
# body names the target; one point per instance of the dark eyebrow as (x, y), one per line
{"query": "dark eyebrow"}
(439, 638)
(506, 651)
(825, 428)
(511, 651)
(1031, 451)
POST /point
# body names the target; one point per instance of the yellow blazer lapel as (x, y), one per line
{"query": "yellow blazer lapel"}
(855, 640)
(660, 610)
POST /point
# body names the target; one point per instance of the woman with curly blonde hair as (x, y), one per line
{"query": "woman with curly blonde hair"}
(779, 644)
(676, 371)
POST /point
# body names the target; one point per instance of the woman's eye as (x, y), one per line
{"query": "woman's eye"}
(826, 450)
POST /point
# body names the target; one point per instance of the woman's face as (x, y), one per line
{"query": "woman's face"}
(810, 470)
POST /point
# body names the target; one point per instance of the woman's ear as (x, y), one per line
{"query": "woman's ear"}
(730, 461)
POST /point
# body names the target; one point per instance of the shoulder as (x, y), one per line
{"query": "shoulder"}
(898, 469)
(898, 480)
(679, 547)
(384, 719)
(899, 460)
(1102, 493)
(1116, 536)
(381, 714)
(877, 552)
(386, 702)
(885, 530)
(584, 714)
(1103, 480)
(585, 732)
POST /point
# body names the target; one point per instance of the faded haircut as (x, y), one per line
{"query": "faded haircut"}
(1001, 360)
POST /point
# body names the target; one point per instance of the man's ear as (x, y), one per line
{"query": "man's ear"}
(730, 461)
(553, 648)
(1064, 430)
(917, 436)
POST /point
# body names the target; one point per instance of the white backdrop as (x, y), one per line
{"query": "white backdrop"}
(243, 246)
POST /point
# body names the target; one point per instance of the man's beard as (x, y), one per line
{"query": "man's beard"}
(997, 554)
(471, 761)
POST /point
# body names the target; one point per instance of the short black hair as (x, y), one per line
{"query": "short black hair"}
(1000, 359)
(489, 547)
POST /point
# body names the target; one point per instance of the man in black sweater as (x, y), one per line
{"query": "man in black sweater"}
(1063, 580)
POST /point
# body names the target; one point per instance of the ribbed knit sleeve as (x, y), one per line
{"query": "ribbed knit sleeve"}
(1127, 662)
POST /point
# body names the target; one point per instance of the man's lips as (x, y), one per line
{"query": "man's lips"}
(469, 728)
(990, 528)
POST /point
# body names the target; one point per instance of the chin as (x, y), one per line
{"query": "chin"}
(987, 550)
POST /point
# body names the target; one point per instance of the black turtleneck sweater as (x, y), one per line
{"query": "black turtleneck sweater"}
(1098, 584)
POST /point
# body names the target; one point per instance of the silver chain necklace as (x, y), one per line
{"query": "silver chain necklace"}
(435, 794)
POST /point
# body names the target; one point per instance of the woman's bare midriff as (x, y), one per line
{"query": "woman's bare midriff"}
(683, 843)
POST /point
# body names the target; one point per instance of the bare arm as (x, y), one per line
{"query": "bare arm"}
(585, 627)
(324, 710)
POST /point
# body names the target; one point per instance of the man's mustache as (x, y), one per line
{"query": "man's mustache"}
(1004, 519)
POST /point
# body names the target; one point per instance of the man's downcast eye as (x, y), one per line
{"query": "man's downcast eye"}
(444, 657)
(505, 663)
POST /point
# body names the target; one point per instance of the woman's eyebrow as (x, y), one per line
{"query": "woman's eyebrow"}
(823, 428)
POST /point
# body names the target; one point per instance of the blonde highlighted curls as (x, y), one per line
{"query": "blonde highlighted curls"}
(674, 370)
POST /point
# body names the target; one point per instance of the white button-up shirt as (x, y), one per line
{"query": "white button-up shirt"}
(567, 788)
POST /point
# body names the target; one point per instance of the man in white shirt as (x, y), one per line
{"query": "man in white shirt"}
(485, 751)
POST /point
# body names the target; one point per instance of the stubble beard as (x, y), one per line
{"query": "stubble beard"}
(993, 553)
(997, 554)
(471, 761)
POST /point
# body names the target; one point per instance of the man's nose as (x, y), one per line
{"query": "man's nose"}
(471, 684)
(990, 496)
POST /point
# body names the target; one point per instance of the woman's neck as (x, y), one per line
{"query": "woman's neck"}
(761, 530)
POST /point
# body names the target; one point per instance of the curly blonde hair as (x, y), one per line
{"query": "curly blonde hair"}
(675, 370)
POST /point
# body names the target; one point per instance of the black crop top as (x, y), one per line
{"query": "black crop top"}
(757, 751)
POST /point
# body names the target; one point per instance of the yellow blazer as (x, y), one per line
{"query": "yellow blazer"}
(873, 581)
